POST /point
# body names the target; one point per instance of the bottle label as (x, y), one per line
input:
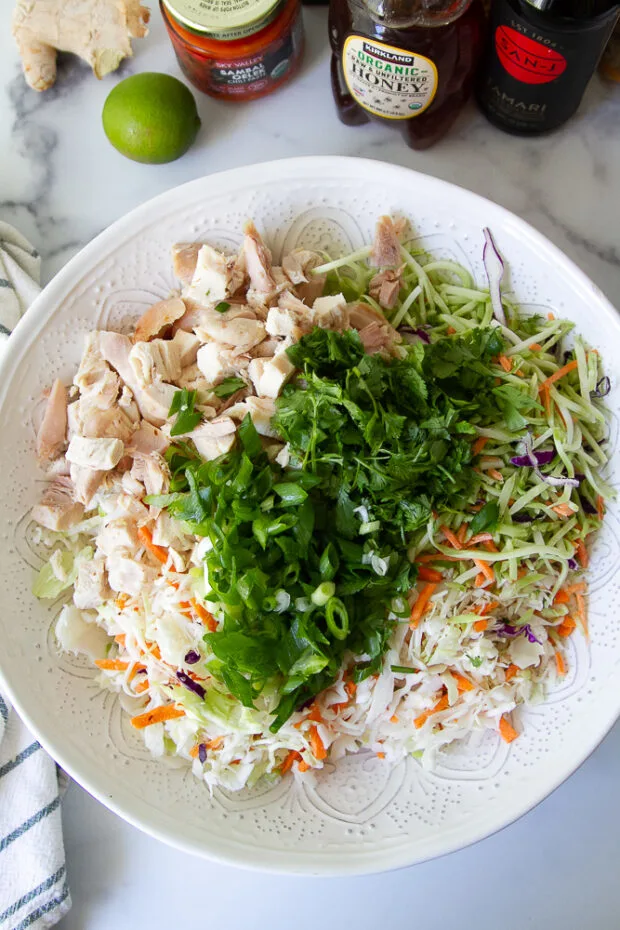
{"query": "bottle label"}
(527, 60)
(388, 81)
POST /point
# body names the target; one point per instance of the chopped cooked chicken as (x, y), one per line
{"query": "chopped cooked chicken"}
(379, 337)
(187, 345)
(91, 586)
(86, 482)
(361, 314)
(184, 258)
(152, 472)
(57, 509)
(102, 454)
(159, 359)
(209, 284)
(153, 401)
(147, 439)
(261, 410)
(158, 319)
(118, 535)
(127, 576)
(270, 375)
(216, 362)
(268, 348)
(298, 266)
(385, 286)
(331, 312)
(231, 328)
(258, 265)
(52, 433)
(95, 379)
(97, 423)
(386, 247)
(214, 438)
(291, 318)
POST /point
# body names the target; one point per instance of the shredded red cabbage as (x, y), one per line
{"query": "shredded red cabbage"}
(516, 631)
(202, 753)
(533, 459)
(192, 657)
(586, 505)
(602, 388)
(190, 684)
(494, 267)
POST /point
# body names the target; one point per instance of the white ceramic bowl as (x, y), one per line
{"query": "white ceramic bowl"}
(361, 816)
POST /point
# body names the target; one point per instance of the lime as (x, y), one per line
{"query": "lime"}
(151, 118)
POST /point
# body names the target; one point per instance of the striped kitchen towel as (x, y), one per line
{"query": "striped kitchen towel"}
(33, 882)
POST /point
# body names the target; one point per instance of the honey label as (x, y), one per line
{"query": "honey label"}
(388, 81)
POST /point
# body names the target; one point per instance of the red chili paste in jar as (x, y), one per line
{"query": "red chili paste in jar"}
(236, 49)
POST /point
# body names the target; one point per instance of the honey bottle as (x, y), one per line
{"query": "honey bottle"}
(410, 63)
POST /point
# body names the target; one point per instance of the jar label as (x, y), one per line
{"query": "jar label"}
(388, 81)
(527, 60)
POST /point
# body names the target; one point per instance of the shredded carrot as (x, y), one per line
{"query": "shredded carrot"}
(450, 330)
(462, 683)
(135, 668)
(452, 539)
(350, 687)
(154, 650)
(479, 444)
(208, 619)
(480, 538)
(318, 749)
(289, 761)
(486, 608)
(563, 510)
(436, 557)
(505, 363)
(442, 704)
(582, 613)
(429, 574)
(600, 507)
(544, 391)
(519, 373)
(566, 627)
(579, 588)
(506, 729)
(462, 533)
(421, 604)
(120, 639)
(380, 755)
(495, 474)
(315, 714)
(486, 569)
(562, 597)
(560, 663)
(480, 580)
(490, 546)
(338, 707)
(142, 686)
(121, 601)
(393, 719)
(215, 743)
(112, 665)
(511, 671)
(194, 751)
(303, 766)
(551, 316)
(566, 369)
(481, 625)
(146, 538)
(582, 554)
(535, 346)
(157, 715)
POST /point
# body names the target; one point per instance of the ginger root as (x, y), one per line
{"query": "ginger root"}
(99, 31)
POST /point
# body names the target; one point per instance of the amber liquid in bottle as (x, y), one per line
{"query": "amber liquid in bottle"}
(410, 63)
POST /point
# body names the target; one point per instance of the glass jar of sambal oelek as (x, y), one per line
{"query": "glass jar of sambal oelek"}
(236, 49)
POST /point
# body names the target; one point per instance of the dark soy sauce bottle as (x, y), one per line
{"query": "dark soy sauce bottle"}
(539, 58)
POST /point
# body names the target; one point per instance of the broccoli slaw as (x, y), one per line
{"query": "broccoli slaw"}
(476, 623)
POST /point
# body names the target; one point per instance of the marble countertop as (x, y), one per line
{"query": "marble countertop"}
(60, 184)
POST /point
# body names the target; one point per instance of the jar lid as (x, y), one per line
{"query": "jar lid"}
(225, 19)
